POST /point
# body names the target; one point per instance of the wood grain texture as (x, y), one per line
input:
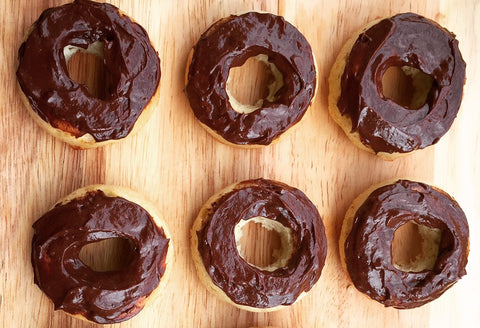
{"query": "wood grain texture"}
(176, 164)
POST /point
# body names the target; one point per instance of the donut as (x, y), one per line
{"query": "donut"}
(424, 51)
(92, 214)
(65, 108)
(229, 43)
(367, 235)
(215, 245)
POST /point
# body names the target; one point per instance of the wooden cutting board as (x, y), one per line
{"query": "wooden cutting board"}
(177, 165)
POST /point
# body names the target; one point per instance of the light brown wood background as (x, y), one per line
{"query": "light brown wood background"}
(177, 165)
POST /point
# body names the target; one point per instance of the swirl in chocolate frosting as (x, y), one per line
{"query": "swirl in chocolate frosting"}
(102, 297)
(129, 58)
(402, 40)
(368, 253)
(248, 285)
(229, 43)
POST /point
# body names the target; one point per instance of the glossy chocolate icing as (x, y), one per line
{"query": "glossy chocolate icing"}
(368, 246)
(243, 283)
(229, 43)
(129, 58)
(102, 297)
(402, 40)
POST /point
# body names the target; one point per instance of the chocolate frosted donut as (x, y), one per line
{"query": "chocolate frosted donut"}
(357, 103)
(278, 207)
(368, 232)
(93, 214)
(66, 108)
(229, 43)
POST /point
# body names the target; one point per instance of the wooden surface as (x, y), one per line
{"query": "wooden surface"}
(177, 165)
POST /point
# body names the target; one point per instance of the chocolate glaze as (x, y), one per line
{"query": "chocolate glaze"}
(129, 58)
(102, 297)
(229, 43)
(402, 40)
(245, 284)
(368, 246)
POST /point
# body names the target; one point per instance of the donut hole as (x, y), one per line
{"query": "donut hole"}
(263, 243)
(407, 86)
(86, 67)
(250, 84)
(415, 247)
(113, 254)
